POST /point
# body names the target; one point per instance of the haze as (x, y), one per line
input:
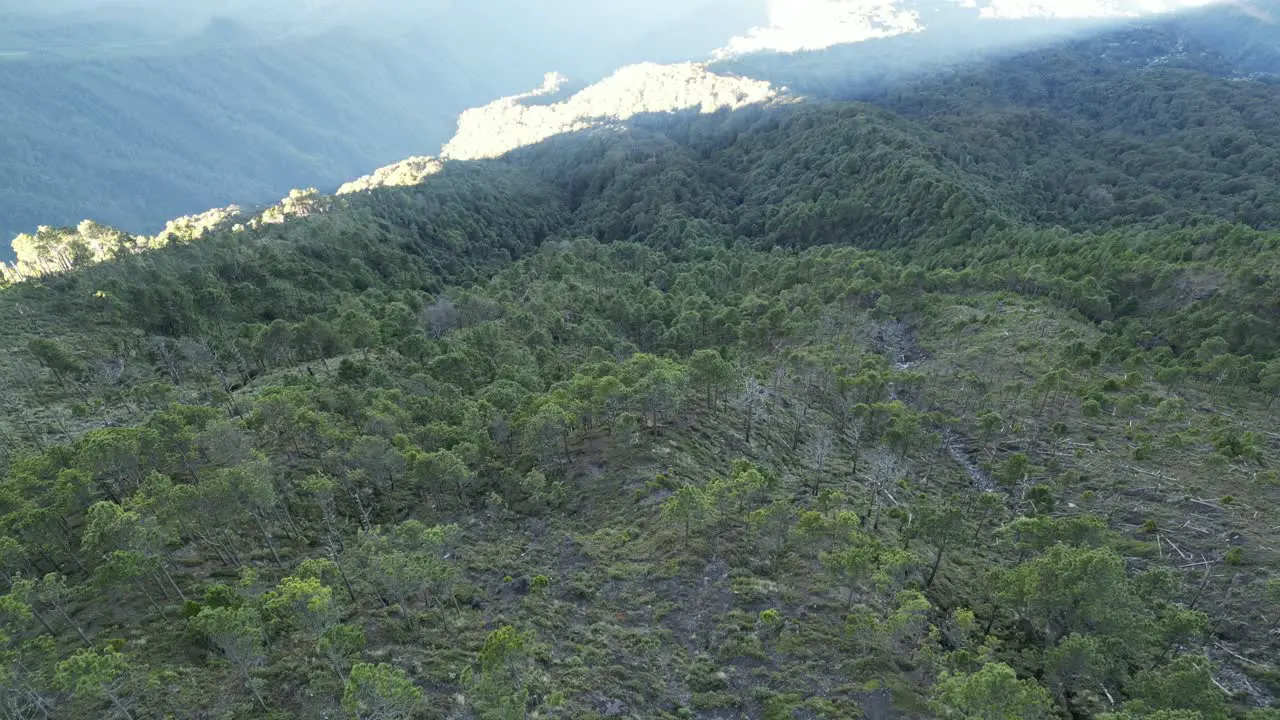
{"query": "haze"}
(585, 17)
(133, 113)
(586, 39)
(798, 25)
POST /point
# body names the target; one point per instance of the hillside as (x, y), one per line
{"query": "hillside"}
(826, 409)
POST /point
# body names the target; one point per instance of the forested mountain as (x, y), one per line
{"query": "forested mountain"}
(946, 398)
(136, 114)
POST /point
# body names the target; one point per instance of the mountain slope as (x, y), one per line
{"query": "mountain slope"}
(1160, 120)
(791, 411)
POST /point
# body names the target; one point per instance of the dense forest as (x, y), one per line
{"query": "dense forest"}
(956, 402)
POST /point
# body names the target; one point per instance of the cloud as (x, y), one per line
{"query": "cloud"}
(1082, 9)
(798, 25)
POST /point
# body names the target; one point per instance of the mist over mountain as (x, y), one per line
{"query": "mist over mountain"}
(135, 112)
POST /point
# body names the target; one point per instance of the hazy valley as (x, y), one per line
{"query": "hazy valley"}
(131, 117)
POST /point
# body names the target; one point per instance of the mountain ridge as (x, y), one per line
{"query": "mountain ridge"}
(133, 122)
(514, 121)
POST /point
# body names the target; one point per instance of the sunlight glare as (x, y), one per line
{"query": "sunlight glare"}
(798, 25)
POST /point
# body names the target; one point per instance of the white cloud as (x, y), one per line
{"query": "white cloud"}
(796, 25)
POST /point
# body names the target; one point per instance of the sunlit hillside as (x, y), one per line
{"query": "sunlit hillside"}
(521, 120)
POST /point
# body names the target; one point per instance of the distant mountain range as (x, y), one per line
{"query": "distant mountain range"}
(130, 115)
(118, 117)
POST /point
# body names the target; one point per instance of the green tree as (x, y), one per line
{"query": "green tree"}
(53, 590)
(992, 693)
(943, 526)
(338, 644)
(96, 673)
(690, 508)
(1015, 470)
(249, 488)
(17, 606)
(237, 634)
(905, 432)
(123, 566)
(854, 563)
(499, 679)
(27, 674)
(305, 602)
(1037, 534)
(434, 472)
(1080, 662)
(1068, 589)
(358, 328)
(660, 387)
(112, 528)
(771, 527)
(907, 620)
(380, 692)
(1185, 684)
(409, 563)
(546, 434)
(712, 374)
(56, 358)
(991, 427)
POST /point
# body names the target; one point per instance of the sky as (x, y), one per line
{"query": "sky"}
(638, 13)
(200, 6)
(757, 25)
(587, 33)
